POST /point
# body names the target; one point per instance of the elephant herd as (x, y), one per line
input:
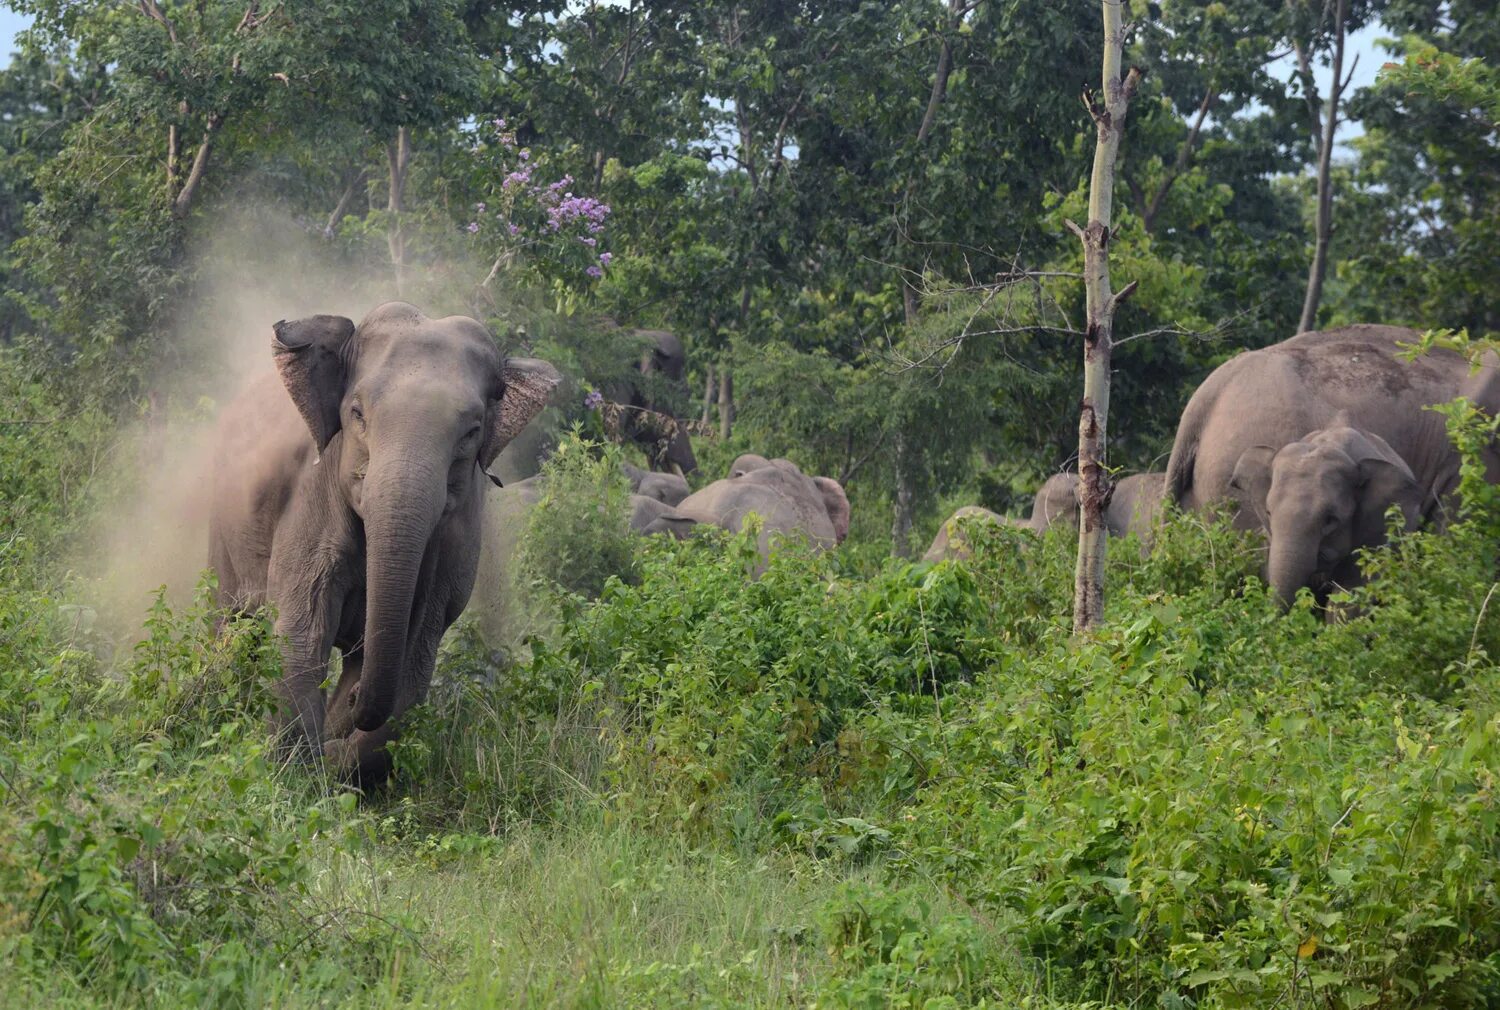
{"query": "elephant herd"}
(351, 489)
(1311, 442)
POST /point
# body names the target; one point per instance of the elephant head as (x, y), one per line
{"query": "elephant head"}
(414, 409)
(1321, 499)
(668, 488)
(1056, 502)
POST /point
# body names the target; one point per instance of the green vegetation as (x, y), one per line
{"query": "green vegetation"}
(853, 782)
(906, 788)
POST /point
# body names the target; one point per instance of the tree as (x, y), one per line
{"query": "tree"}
(1093, 423)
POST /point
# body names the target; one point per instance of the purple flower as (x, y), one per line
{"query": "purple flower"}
(594, 400)
(588, 241)
(524, 154)
(498, 124)
(604, 258)
(594, 272)
(479, 207)
(473, 227)
(515, 229)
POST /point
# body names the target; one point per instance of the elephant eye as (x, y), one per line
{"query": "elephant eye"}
(357, 415)
(469, 441)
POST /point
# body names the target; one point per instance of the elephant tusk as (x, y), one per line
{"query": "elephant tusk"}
(678, 471)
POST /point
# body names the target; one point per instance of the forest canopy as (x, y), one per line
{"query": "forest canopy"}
(854, 209)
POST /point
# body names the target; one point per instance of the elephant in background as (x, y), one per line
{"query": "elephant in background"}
(1350, 377)
(667, 488)
(663, 361)
(1133, 506)
(350, 499)
(1262, 401)
(1321, 499)
(950, 541)
(789, 502)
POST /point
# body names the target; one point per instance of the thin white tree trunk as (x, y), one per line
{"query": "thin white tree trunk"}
(1094, 486)
(1323, 219)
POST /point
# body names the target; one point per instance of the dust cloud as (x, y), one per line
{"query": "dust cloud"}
(253, 271)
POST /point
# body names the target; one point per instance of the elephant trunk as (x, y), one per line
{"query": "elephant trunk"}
(1289, 567)
(403, 502)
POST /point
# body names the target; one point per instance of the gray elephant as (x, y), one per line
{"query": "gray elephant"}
(1056, 501)
(662, 366)
(1255, 404)
(350, 500)
(650, 516)
(788, 502)
(950, 541)
(1321, 499)
(1132, 508)
(1135, 504)
(667, 488)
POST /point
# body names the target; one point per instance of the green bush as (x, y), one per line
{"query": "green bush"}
(578, 534)
(150, 838)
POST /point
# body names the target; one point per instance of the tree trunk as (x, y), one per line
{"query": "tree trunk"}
(708, 395)
(901, 510)
(398, 156)
(726, 401)
(1323, 221)
(1094, 486)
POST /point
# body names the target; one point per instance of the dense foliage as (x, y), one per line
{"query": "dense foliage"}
(850, 782)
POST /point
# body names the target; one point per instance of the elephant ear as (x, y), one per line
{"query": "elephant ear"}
(1251, 480)
(837, 504)
(312, 356)
(528, 384)
(673, 524)
(1384, 480)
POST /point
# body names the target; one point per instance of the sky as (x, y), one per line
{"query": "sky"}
(1362, 43)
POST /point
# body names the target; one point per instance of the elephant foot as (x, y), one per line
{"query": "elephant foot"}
(361, 759)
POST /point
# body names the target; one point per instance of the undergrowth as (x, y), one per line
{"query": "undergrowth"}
(816, 788)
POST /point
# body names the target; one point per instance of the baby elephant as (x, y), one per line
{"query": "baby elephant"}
(1320, 500)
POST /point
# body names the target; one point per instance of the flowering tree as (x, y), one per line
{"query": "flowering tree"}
(527, 223)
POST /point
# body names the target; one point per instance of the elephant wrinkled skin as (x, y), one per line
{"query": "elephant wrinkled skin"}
(1321, 499)
(348, 496)
(1261, 401)
(788, 502)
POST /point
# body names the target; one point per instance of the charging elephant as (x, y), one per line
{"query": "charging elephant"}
(1321, 499)
(788, 501)
(348, 496)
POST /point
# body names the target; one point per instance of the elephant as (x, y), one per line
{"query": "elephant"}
(1321, 499)
(1135, 504)
(1279, 394)
(1351, 377)
(350, 500)
(649, 516)
(788, 501)
(1132, 507)
(662, 362)
(667, 488)
(950, 541)
(1056, 501)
